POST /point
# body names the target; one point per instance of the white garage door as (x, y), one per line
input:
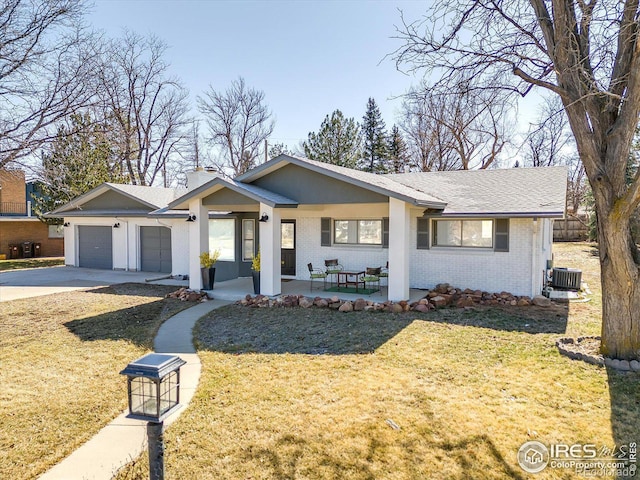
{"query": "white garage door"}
(95, 247)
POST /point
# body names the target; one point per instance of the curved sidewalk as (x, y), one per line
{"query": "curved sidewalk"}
(123, 440)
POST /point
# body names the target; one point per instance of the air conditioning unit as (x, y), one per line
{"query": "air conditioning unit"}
(568, 278)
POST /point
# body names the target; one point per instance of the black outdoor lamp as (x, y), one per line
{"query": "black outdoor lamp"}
(264, 218)
(153, 387)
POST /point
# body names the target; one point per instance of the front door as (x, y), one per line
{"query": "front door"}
(288, 244)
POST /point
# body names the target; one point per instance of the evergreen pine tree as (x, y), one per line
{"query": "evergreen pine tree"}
(337, 142)
(398, 153)
(80, 158)
(375, 149)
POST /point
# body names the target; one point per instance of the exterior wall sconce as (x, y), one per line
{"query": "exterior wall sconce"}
(116, 225)
(66, 224)
(191, 218)
(264, 218)
(153, 388)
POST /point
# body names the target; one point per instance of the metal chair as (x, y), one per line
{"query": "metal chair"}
(332, 267)
(316, 273)
(384, 273)
(372, 275)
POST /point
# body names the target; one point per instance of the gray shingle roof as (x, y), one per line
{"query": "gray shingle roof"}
(154, 196)
(514, 191)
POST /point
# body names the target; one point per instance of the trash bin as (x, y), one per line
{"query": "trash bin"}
(14, 251)
(37, 249)
(27, 250)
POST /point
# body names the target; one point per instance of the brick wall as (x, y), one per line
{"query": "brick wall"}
(465, 268)
(12, 232)
(12, 192)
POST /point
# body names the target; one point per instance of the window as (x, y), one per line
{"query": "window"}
(222, 237)
(463, 233)
(357, 232)
(287, 235)
(56, 231)
(248, 239)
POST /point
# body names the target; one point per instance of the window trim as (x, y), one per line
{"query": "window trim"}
(245, 239)
(434, 233)
(358, 243)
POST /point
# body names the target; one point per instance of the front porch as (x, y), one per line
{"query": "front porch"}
(238, 288)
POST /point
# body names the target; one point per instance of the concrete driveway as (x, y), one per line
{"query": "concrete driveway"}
(34, 282)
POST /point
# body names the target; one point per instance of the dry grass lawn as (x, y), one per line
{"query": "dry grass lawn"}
(21, 263)
(59, 361)
(316, 394)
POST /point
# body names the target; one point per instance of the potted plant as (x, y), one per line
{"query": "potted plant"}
(208, 260)
(255, 272)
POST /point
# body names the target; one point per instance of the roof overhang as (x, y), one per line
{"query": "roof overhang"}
(76, 203)
(252, 192)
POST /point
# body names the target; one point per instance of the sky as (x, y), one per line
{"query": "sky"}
(308, 57)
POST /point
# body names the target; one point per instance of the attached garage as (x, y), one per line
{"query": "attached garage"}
(155, 249)
(95, 247)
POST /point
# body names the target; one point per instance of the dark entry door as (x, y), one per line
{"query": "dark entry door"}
(288, 245)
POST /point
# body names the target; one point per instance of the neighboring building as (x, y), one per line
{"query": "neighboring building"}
(17, 222)
(490, 229)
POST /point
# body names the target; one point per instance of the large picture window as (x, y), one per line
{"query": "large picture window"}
(357, 232)
(222, 237)
(463, 233)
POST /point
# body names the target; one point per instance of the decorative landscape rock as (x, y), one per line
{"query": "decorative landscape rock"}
(587, 350)
(442, 296)
(188, 295)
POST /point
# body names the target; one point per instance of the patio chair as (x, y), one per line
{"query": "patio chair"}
(332, 267)
(384, 273)
(372, 275)
(316, 273)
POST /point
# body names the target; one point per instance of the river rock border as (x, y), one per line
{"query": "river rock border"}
(567, 347)
(443, 295)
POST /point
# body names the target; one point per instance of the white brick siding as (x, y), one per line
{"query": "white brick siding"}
(462, 267)
(477, 268)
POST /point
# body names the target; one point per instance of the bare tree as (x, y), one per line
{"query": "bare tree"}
(146, 107)
(239, 122)
(461, 129)
(587, 53)
(45, 72)
(549, 135)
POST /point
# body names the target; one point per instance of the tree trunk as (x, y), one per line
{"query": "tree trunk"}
(620, 278)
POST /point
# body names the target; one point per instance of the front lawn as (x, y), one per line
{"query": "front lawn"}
(20, 263)
(60, 358)
(318, 394)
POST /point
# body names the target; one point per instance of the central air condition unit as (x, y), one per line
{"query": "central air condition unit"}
(568, 278)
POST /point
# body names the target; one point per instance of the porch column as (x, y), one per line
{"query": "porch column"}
(399, 245)
(198, 241)
(270, 253)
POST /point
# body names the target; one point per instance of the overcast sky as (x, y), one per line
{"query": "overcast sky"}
(309, 57)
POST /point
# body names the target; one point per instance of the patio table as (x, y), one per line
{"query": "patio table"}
(347, 278)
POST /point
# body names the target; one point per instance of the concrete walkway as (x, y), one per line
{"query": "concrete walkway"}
(123, 440)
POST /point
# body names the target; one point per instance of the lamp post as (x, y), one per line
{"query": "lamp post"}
(153, 388)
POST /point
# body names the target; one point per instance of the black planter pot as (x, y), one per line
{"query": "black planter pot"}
(256, 282)
(208, 277)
